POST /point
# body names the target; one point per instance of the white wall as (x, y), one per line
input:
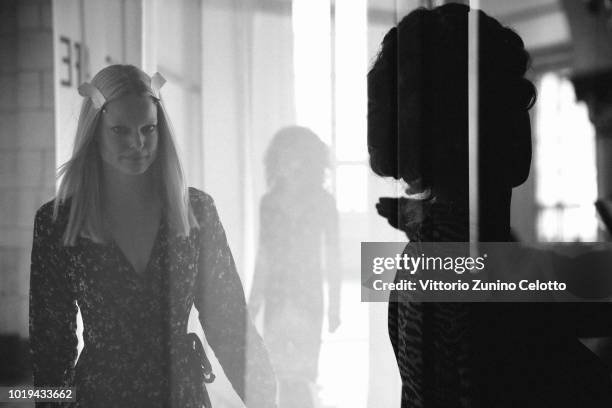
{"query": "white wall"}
(87, 36)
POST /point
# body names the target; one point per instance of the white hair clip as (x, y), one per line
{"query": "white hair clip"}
(157, 81)
(88, 90)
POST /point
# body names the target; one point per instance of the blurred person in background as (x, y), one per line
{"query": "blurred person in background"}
(298, 249)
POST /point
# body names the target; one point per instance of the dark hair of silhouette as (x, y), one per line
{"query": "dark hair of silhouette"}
(418, 100)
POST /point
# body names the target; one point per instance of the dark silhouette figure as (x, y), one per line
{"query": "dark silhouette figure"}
(461, 354)
(298, 248)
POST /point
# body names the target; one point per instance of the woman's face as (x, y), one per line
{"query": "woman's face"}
(293, 170)
(128, 134)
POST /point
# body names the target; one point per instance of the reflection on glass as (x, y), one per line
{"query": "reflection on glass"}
(298, 250)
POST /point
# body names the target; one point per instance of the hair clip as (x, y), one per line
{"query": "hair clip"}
(157, 81)
(88, 90)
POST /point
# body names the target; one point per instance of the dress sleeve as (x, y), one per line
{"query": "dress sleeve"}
(53, 310)
(225, 319)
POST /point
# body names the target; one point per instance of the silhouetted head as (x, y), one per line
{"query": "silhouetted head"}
(296, 155)
(418, 102)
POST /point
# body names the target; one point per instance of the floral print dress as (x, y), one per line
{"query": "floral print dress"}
(136, 349)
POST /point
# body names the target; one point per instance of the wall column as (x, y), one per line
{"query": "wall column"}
(27, 163)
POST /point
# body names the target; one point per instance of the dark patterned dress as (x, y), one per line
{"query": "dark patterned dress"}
(136, 349)
(493, 355)
(430, 340)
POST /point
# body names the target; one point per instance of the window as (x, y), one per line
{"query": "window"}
(330, 88)
(350, 90)
(330, 66)
(566, 182)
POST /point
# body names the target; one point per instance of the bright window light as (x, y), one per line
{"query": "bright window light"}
(566, 177)
(312, 65)
(351, 187)
(350, 79)
(343, 382)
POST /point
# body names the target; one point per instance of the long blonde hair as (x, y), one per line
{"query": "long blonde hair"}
(82, 174)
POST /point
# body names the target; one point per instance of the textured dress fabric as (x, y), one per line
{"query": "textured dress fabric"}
(136, 352)
(430, 340)
(500, 355)
(294, 242)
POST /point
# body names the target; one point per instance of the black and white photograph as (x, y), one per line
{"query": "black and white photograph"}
(234, 203)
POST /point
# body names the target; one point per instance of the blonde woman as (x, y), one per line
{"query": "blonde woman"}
(134, 248)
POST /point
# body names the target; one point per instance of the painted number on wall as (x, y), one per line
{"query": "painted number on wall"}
(71, 60)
